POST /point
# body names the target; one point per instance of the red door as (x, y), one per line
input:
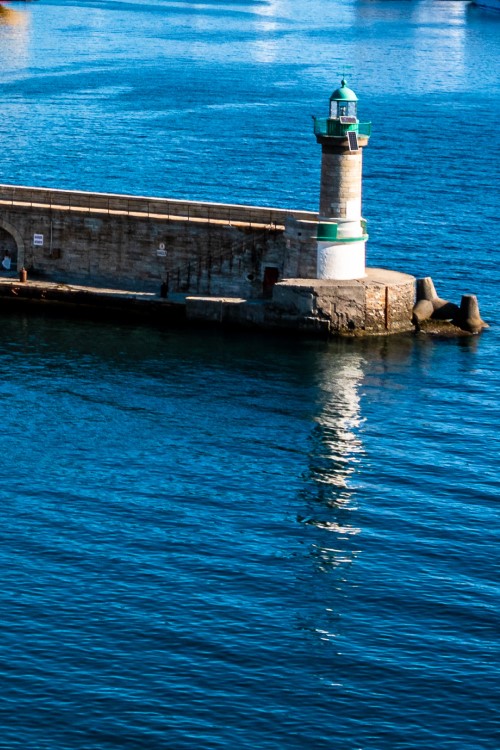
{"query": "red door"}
(271, 276)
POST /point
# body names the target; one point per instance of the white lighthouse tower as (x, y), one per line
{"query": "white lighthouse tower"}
(341, 234)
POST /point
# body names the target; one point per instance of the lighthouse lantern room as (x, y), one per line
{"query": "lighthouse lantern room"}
(343, 102)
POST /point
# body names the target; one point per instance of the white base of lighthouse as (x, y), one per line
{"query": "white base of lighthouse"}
(341, 249)
(341, 261)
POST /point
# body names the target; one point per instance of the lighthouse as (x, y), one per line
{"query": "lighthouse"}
(341, 236)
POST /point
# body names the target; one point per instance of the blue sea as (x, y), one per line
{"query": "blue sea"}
(212, 540)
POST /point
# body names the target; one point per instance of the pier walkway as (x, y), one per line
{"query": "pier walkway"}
(87, 301)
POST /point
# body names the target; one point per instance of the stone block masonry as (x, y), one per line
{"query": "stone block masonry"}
(222, 264)
(340, 197)
(144, 243)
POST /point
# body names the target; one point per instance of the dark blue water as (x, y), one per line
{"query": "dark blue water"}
(216, 541)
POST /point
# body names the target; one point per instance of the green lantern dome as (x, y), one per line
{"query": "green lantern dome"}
(343, 94)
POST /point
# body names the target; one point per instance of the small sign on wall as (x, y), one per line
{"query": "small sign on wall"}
(161, 251)
(38, 240)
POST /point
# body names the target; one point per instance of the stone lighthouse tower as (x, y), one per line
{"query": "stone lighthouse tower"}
(343, 297)
(341, 234)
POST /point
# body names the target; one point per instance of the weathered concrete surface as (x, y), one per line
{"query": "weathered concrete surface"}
(430, 307)
(380, 303)
(303, 307)
(232, 311)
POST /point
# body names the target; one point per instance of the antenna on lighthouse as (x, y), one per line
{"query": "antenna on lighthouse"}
(345, 68)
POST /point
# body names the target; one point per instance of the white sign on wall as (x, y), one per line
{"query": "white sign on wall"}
(38, 240)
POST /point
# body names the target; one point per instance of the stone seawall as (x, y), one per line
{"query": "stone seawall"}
(300, 307)
(190, 247)
(221, 264)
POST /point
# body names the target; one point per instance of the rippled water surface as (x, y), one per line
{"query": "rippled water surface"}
(219, 541)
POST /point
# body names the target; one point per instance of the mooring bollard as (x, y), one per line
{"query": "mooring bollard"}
(23, 275)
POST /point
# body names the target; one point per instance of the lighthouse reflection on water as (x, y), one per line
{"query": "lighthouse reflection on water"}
(336, 450)
(338, 462)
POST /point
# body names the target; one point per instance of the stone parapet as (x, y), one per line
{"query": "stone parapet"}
(142, 206)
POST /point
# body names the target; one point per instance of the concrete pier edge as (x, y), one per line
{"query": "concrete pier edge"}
(379, 304)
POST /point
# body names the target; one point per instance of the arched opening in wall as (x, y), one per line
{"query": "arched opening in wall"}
(8, 253)
(271, 276)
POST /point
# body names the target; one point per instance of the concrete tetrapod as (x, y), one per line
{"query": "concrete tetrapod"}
(429, 306)
(470, 319)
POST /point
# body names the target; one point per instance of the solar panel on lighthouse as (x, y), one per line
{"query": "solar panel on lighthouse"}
(352, 139)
